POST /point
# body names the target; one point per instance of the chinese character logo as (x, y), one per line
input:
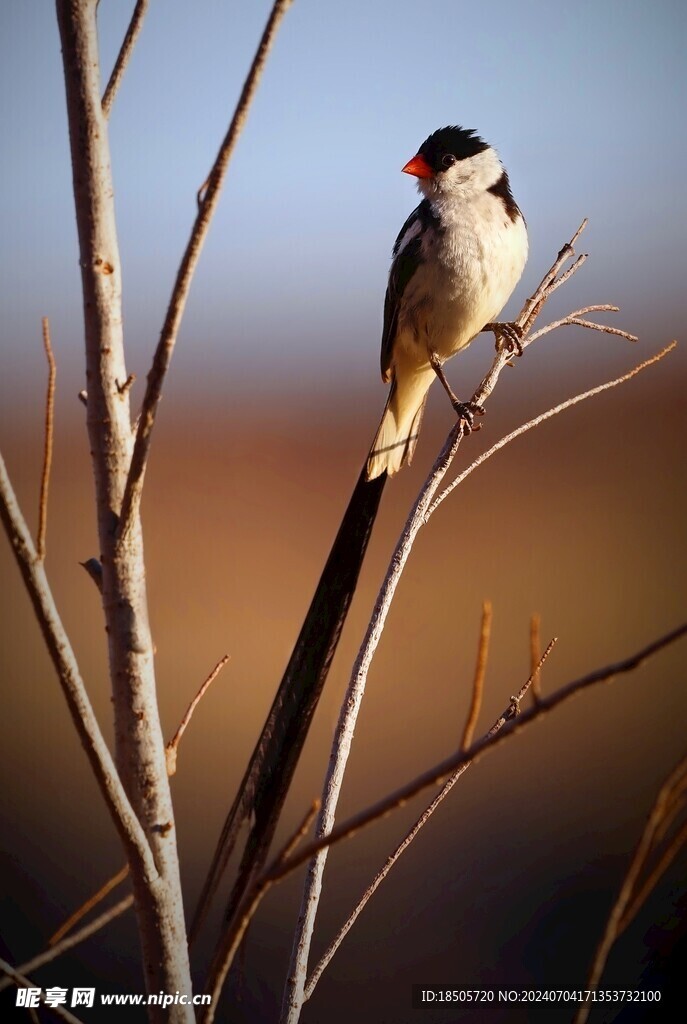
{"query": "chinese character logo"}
(28, 997)
(55, 995)
(83, 996)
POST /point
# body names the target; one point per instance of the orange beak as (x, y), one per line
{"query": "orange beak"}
(419, 167)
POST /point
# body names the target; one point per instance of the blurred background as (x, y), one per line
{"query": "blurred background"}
(272, 400)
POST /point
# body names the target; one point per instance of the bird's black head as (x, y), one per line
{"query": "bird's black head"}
(446, 146)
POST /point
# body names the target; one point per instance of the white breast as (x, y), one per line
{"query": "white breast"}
(469, 272)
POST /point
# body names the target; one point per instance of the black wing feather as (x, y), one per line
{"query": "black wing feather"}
(406, 261)
(403, 267)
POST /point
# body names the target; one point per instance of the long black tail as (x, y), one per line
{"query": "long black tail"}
(264, 787)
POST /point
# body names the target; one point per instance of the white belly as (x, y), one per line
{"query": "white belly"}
(467, 276)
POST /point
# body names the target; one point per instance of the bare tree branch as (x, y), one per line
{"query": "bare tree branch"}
(127, 385)
(177, 303)
(65, 944)
(48, 441)
(171, 751)
(532, 308)
(138, 734)
(65, 663)
(234, 934)
(550, 282)
(328, 955)
(511, 721)
(672, 848)
(23, 982)
(535, 655)
(572, 320)
(436, 775)
(91, 902)
(171, 748)
(523, 428)
(633, 892)
(478, 679)
(124, 55)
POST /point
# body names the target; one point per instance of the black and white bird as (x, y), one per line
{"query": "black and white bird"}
(455, 264)
(456, 261)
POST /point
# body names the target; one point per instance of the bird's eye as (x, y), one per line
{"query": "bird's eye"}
(448, 160)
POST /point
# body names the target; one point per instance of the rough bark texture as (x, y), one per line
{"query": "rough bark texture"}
(139, 742)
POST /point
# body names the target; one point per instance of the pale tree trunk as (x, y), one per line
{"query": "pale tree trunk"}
(139, 742)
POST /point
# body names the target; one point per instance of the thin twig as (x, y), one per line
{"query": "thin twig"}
(535, 654)
(127, 385)
(674, 804)
(124, 55)
(604, 307)
(436, 775)
(21, 981)
(478, 679)
(72, 684)
(548, 283)
(632, 892)
(177, 303)
(573, 321)
(478, 682)
(64, 945)
(237, 928)
(93, 901)
(171, 748)
(47, 449)
(514, 721)
(572, 269)
(171, 752)
(670, 852)
(546, 416)
(292, 843)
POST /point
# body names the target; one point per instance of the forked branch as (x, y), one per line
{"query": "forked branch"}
(509, 723)
(21, 981)
(58, 942)
(70, 679)
(478, 682)
(68, 942)
(436, 775)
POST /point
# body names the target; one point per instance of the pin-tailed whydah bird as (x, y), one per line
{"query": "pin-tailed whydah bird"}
(455, 263)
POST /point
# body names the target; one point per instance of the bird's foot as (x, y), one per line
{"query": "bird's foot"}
(466, 412)
(508, 337)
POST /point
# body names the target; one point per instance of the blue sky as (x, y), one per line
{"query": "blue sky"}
(584, 101)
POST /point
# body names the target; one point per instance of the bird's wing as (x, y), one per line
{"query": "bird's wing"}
(407, 255)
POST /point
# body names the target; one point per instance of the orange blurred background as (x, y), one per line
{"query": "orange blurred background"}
(581, 520)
